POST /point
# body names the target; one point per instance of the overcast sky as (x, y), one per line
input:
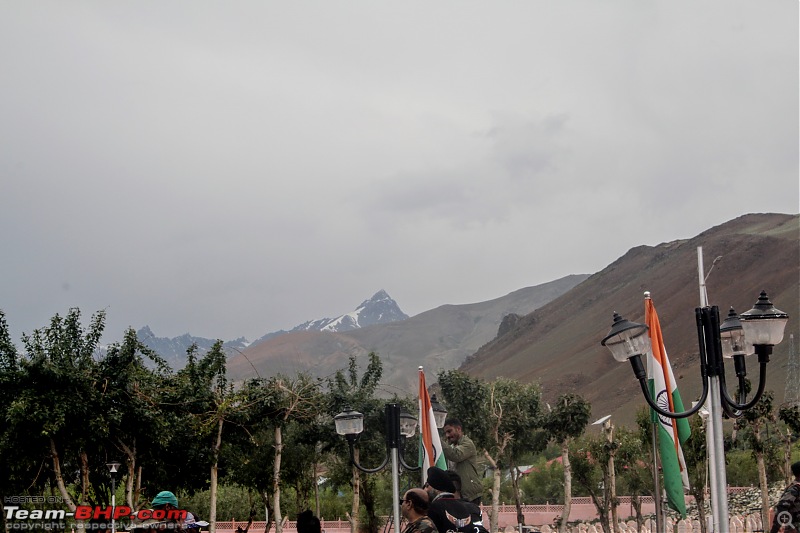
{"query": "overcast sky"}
(229, 169)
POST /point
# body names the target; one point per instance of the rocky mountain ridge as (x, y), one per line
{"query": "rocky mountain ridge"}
(379, 309)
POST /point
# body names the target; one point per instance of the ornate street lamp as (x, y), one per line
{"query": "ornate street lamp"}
(755, 331)
(113, 467)
(439, 412)
(399, 425)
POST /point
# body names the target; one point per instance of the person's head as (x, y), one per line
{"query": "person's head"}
(308, 523)
(453, 430)
(456, 479)
(438, 482)
(796, 469)
(414, 504)
(165, 500)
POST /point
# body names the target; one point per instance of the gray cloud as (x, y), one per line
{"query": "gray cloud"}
(234, 170)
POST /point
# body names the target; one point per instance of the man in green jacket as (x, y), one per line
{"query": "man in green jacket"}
(463, 458)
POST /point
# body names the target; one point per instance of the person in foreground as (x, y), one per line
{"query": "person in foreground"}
(414, 508)
(787, 511)
(462, 456)
(474, 509)
(167, 502)
(448, 513)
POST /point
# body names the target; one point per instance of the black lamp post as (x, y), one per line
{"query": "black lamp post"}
(113, 467)
(755, 331)
(399, 425)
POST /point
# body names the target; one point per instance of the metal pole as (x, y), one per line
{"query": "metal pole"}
(393, 444)
(714, 437)
(657, 484)
(721, 482)
(113, 504)
(396, 489)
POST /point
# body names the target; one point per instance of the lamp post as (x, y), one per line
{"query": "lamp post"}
(399, 425)
(113, 467)
(755, 331)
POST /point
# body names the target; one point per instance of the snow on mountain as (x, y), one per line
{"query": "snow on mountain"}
(379, 309)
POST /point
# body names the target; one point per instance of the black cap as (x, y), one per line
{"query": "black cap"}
(439, 480)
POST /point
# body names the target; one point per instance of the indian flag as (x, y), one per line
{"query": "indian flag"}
(672, 432)
(430, 450)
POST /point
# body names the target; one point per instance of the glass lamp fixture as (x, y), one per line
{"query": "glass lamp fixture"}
(408, 424)
(763, 324)
(439, 412)
(732, 336)
(626, 339)
(349, 422)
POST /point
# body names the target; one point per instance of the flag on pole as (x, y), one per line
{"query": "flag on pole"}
(672, 432)
(430, 449)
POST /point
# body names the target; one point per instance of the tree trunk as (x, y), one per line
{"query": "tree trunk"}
(265, 500)
(496, 475)
(787, 457)
(130, 455)
(276, 481)
(636, 502)
(316, 487)
(762, 482)
(138, 491)
(603, 511)
(62, 488)
(212, 508)
(700, 500)
(515, 484)
(84, 476)
(353, 514)
(562, 525)
(612, 476)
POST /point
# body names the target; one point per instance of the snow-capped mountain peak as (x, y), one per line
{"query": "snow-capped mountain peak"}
(380, 309)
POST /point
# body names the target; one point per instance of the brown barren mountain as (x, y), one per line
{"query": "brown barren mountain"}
(437, 339)
(558, 345)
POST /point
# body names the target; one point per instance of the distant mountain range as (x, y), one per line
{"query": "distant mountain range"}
(380, 309)
(558, 344)
(174, 350)
(437, 339)
(551, 333)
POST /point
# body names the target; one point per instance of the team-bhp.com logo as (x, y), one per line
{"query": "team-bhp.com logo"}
(50, 519)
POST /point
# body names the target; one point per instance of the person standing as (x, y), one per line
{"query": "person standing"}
(787, 511)
(414, 508)
(463, 458)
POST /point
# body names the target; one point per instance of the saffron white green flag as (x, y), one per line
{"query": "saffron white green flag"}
(430, 450)
(672, 432)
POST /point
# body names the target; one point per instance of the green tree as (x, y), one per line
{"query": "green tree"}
(58, 406)
(758, 420)
(501, 416)
(590, 468)
(695, 454)
(16, 463)
(563, 423)
(137, 431)
(347, 390)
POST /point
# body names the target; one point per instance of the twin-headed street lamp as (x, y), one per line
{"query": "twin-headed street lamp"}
(755, 331)
(399, 425)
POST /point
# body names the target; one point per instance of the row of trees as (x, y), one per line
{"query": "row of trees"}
(66, 411)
